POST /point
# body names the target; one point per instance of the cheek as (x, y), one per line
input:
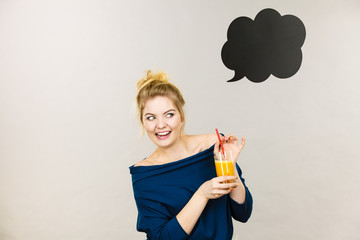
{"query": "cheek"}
(148, 126)
(176, 122)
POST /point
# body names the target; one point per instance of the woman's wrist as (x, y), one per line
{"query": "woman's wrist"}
(199, 194)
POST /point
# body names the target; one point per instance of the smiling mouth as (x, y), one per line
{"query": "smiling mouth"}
(162, 135)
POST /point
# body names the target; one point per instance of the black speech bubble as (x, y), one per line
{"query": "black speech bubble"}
(269, 44)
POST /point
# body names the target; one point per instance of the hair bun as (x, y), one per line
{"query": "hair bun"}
(151, 78)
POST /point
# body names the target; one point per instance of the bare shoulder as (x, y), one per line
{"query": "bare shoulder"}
(144, 162)
(211, 138)
(205, 140)
(149, 161)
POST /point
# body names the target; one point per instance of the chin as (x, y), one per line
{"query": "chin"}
(164, 143)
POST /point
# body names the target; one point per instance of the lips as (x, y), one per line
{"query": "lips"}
(163, 135)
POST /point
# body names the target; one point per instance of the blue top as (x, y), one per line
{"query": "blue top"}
(161, 192)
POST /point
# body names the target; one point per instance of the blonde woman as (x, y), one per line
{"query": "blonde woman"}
(176, 190)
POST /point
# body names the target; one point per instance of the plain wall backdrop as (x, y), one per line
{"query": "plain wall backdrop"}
(69, 132)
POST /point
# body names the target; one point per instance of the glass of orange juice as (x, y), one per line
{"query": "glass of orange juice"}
(224, 164)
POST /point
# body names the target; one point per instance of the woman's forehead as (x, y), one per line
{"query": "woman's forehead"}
(158, 103)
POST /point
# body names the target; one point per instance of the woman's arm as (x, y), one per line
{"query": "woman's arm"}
(241, 210)
(240, 197)
(211, 189)
(239, 193)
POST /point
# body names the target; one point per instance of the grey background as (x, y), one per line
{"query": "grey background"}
(68, 127)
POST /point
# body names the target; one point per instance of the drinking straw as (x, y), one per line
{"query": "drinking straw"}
(218, 135)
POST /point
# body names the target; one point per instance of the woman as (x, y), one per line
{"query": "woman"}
(176, 190)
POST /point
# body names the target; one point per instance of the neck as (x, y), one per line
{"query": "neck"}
(175, 152)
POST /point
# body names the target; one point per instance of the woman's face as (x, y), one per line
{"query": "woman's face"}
(162, 121)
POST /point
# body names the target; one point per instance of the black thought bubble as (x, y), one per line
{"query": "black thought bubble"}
(269, 44)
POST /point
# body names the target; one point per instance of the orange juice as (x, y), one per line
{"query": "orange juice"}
(224, 168)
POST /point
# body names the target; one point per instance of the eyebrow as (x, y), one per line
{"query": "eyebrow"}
(164, 112)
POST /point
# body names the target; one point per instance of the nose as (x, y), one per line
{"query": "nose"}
(161, 123)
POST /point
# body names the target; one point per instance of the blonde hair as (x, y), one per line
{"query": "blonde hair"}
(157, 84)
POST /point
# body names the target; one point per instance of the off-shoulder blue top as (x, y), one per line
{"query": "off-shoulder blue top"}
(161, 191)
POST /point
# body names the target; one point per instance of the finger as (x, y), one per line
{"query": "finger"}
(218, 195)
(242, 142)
(232, 139)
(227, 185)
(222, 192)
(228, 137)
(225, 178)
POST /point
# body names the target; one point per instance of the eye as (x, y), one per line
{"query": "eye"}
(169, 115)
(150, 118)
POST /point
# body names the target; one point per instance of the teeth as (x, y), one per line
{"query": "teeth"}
(163, 133)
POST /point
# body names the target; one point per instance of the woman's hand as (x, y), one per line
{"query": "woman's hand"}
(230, 143)
(217, 187)
(211, 189)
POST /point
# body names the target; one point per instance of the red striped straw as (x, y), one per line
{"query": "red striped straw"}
(222, 148)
